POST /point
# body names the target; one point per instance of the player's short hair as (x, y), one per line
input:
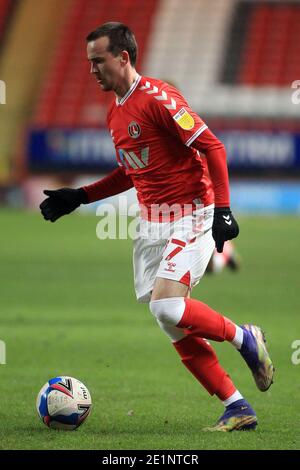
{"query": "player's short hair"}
(121, 38)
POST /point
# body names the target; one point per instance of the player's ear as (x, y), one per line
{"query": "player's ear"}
(124, 56)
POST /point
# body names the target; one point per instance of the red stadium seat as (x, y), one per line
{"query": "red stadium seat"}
(69, 95)
(272, 49)
(5, 7)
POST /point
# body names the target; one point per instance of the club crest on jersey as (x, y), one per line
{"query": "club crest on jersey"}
(134, 130)
(184, 119)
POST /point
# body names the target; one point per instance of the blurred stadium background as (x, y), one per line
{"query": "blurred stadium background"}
(236, 61)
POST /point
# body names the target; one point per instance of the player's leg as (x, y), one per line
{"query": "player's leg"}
(238, 414)
(147, 257)
(200, 320)
(184, 263)
(196, 353)
(200, 359)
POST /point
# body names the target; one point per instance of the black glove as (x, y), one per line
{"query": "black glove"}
(61, 202)
(225, 227)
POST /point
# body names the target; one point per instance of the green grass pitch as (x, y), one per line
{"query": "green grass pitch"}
(68, 307)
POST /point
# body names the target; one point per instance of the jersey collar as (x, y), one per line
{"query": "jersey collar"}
(130, 91)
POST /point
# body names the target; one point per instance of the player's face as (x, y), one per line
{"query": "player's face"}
(105, 67)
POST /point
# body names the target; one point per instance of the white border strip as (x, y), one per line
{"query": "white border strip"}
(195, 135)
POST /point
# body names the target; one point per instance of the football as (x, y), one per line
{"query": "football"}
(63, 403)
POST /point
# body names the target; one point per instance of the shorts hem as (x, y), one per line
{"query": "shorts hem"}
(145, 296)
(172, 279)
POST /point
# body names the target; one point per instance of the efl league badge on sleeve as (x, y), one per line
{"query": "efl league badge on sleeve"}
(184, 119)
(134, 130)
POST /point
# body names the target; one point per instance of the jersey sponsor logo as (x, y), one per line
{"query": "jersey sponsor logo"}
(130, 159)
(134, 130)
(184, 119)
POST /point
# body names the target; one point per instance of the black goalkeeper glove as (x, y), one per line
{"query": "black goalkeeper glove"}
(61, 202)
(225, 227)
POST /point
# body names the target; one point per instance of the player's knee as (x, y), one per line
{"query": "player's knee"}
(168, 311)
(175, 334)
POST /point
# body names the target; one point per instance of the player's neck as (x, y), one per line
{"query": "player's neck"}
(126, 83)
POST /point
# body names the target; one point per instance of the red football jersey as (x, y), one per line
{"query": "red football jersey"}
(152, 128)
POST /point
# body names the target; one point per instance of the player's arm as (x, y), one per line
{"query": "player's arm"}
(115, 183)
(224, 226)
(65, 200)
(171, 111)
(208, 144)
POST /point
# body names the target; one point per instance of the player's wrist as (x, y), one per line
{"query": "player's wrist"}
(82, 196)
(219, 210)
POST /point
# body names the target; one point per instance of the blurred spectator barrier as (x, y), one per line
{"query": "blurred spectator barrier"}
(92, 150)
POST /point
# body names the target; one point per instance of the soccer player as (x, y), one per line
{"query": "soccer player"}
(227, 259)
(158, 141)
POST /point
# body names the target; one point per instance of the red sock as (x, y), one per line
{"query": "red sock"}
(203, 321)
(201, 360)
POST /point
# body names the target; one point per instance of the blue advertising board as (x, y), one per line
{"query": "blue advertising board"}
(261, 149)
(75, 149)
(92, 149)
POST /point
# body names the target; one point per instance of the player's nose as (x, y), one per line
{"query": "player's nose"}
(93, 68)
